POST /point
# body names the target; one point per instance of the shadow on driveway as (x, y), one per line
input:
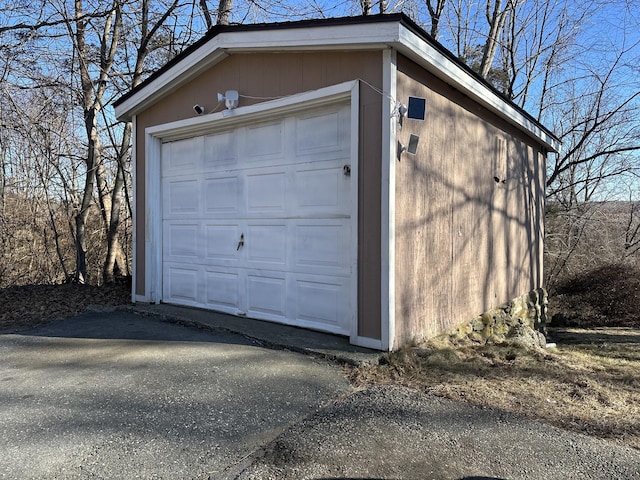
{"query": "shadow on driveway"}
(119, 395)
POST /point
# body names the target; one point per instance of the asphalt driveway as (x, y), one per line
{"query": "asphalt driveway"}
(119, 395)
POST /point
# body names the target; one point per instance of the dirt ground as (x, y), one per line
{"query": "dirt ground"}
(28, 306)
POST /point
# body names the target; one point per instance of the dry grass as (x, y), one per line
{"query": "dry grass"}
(590, 383)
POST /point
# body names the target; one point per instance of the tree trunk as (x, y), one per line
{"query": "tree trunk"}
(3, 176)
(115, 262)
(496, 24)
(224, 12)
(81, 221)
(207, 14)
(435, 11)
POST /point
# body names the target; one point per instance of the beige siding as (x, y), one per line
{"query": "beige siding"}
(273, 75)
(464, 242)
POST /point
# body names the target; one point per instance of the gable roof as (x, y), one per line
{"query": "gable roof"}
(369, 32)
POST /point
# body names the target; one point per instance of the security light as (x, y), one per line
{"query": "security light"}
(411, 147)
(230, 97)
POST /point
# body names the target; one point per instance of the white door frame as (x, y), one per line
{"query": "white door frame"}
(155, 135)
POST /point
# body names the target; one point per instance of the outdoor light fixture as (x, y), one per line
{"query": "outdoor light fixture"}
(230, 98)
(412, 147)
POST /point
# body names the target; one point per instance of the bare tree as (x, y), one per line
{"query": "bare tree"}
(92, 92)
(435, 7)
(496, 15)
(366, 6)
(206, 13)
(149, 29)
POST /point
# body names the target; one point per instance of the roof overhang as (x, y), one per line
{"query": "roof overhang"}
(348, 34)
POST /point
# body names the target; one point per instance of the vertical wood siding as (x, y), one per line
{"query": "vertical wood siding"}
(464, 241)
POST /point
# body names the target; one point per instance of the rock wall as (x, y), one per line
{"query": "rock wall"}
(521, 321)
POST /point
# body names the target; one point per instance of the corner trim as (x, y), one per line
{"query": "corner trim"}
(388, 199)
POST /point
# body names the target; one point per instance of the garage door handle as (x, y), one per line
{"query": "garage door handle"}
(241, 242)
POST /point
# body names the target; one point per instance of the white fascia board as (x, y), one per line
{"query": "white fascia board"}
(326, 38)
(417, 49)
(343, 37)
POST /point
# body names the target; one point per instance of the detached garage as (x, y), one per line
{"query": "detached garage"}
(344, 175)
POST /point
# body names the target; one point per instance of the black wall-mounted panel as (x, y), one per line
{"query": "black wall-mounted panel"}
(417, 107)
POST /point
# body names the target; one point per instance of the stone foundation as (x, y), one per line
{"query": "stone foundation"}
(521, 321)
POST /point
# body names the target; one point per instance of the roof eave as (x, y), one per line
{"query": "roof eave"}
(432, 59)
(396, 31)
(357, 37)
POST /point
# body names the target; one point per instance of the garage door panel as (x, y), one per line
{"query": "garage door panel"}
(322, 247)
(266, 244)
(221, 243)
(318, 133)
(182, 156)
(264, 142)
(322, 301)
(220, 151)
(322, 134)
(223, 195)
(266, 192)
(266, 295)
(181, 240)
(222, 290)
(181, 283)
(321, 190)
(181, 197)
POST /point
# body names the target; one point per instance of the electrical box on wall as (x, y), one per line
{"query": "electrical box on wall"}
(416, 108)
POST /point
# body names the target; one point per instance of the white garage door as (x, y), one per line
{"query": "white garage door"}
(257, 221)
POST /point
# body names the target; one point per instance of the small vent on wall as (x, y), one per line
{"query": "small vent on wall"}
(500, 160)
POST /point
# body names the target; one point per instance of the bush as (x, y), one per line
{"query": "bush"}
(608, 295)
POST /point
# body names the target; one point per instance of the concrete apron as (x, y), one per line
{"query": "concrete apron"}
(119, 395)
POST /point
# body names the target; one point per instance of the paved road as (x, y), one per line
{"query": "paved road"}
(119, 395)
